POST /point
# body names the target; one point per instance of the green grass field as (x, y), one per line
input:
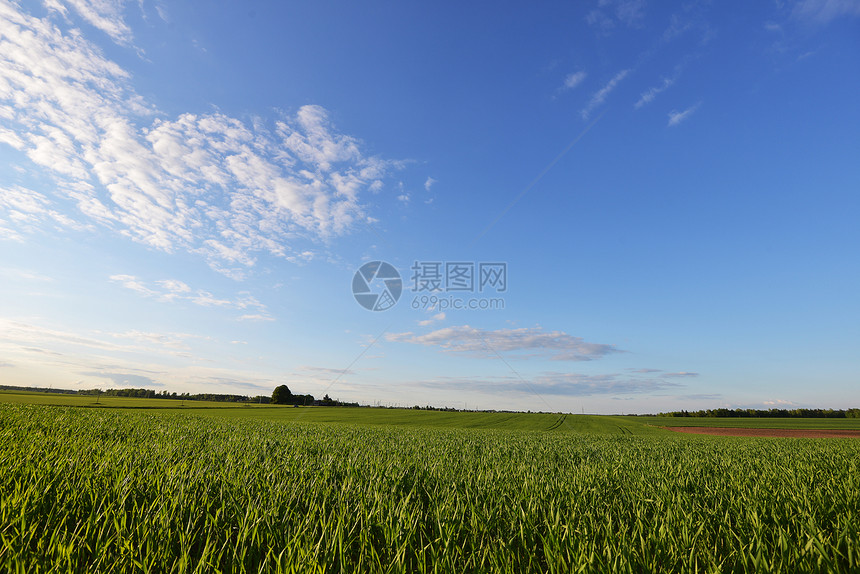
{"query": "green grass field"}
(758, 423)
(406, 417)
(64, 400)
(440, 419)
(282, 489)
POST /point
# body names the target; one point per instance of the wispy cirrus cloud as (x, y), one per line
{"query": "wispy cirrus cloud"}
(433, 319)
(823, 11)
(32, 337)
(574, 79)
(648, 95)
(24, 333)
(177, 341)
(206, 183)
(553, 384)
(525, 342)
(676, 117)
(106, 15)
(600, 95)
(26, 210)
(610, 13)
(126, 379)
(574, 384)
(323, 373)
(776, 403)
(24, 275)
(173, 290)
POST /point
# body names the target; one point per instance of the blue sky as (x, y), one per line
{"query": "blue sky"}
(186, 193)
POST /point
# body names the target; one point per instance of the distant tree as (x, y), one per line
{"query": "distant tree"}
(281, 395)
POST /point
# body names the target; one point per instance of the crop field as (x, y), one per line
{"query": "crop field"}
(752, 422)
(111, 490)
(550, 422)
(62, 399)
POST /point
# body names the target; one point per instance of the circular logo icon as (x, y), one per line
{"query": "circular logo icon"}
(377, 286)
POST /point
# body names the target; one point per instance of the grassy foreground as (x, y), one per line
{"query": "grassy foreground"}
(106, 490)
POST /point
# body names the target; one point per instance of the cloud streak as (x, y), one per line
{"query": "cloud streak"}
(676, 117)
(524, 342)
(824, 11)
(554, 384)
(600, 95)
(609, 13)
(648, 95)
(172, 290)
(571, 81)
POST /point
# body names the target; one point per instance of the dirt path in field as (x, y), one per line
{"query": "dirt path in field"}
(799, 433)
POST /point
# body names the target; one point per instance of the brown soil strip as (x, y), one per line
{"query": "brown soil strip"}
(797, 433)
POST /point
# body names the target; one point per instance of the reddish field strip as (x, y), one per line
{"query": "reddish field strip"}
(798, 433)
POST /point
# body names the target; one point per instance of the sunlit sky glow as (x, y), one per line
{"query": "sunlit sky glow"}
(186, 192)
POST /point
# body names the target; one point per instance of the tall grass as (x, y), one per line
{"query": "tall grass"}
(98, 491)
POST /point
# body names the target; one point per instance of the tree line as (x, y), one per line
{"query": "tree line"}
(283, 396)
(152, 394)
(773, 413)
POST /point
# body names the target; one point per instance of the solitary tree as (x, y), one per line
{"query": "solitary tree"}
(281, 395)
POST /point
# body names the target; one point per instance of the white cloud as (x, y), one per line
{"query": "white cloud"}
(176, 341)
(429, 183)
(131, 282)
(573, 80)
(676, 117)
(433, 319)
(600, 95)
(256, 317)
(648, 95)
(823, 11)
(126, 379)
(173, 290)
(24, 275)
(573, 384)
(527, 342)
(26, 333)
(174, 287)
(11, 139)
(205, 183)
(31, 338)
(106, 15)
(10, 234)
(777, 403)
(326, 372)
(27, 209)
(553, 384)
(609, 13)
